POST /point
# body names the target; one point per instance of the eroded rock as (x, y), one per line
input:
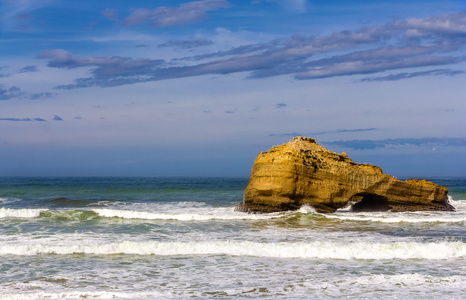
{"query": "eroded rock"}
(303, 172)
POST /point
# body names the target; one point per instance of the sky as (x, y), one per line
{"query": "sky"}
(199, 88)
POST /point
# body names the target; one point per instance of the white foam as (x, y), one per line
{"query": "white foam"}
(409, 279)
(83, 295)
(106, 203)
(201, 215)
(306, 209)
(8, 200)
(459, 205)
(311, 250)
(20, 213)
(384, 286)
(399, 217)
(458, 216)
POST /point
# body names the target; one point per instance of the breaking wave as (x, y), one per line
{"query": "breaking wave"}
(212, 214)
(177, 215)
(20, 213)
(312, 250)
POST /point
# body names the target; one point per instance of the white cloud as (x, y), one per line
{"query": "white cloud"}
(299, 6)
(184, 14)
(16, 13)
(111, 14)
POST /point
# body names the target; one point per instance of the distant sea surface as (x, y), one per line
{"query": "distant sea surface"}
(180, 238)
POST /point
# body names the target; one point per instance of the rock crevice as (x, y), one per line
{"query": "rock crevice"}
(302, 172)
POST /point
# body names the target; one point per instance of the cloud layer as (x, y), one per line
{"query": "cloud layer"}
(411, 43)
(373, 144)
(56, 118)
(400, 76)
(10, 92)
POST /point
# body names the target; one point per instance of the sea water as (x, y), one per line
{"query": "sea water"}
(180, 238)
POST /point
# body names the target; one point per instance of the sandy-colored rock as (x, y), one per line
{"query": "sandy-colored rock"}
(302, 172)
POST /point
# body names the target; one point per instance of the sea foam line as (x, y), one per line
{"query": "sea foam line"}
(313, 250)
(20, 213)
(398, 218)
(214, 214)
(458, 216)
(202, 215)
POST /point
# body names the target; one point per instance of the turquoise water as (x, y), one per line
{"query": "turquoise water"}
(172, 238)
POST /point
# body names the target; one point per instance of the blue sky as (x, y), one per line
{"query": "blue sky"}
(188, 88)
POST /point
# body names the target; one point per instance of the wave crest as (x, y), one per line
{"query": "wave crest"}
(213, 214)
(313, 250)
(20, 213)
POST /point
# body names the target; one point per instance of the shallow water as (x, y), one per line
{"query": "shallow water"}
(162, 238)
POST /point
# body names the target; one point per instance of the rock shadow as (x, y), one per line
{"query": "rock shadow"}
(367, 202)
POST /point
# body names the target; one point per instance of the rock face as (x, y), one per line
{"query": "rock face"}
(302, 172)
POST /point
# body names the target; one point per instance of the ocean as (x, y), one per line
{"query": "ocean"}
(180, 238)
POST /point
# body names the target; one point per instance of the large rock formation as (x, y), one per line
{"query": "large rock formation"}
(302, 172)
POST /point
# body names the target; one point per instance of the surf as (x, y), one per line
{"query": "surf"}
(309, 250)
